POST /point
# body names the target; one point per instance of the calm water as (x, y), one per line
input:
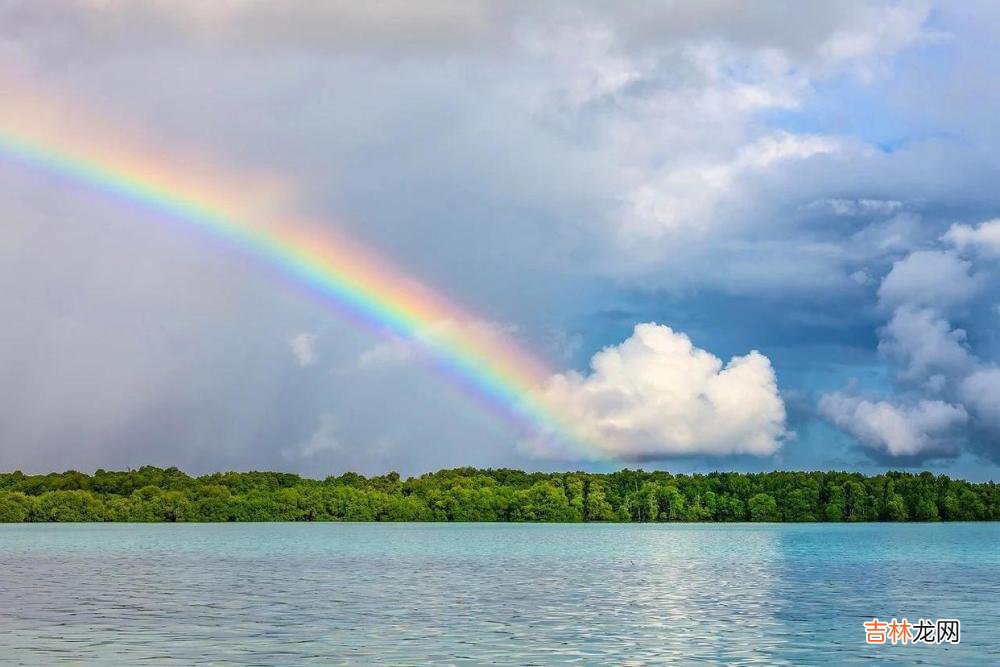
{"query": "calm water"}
(475, 593)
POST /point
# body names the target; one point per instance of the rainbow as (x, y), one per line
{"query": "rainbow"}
(484, 365)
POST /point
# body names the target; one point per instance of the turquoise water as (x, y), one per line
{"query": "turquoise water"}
(509, 593)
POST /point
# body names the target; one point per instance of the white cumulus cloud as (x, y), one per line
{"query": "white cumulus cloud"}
(894, 429)
(951, 368)
(924, 344)
(656, 395)
(684, 198)
(936, 278)
(981, 392)
(984, 237)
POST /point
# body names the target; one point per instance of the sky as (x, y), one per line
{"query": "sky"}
(736, 236)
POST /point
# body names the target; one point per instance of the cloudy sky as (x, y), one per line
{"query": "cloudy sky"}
(741, 236)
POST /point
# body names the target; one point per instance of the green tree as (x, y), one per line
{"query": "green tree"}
(895, 508)
(800, 504)
(70, 506)
(970, 506)
(925, 509)
(671, 503)
(730, 508)
(469, 494)
(833, 510)
(544, 502)
(597, 507)
(857, 504)
(14, 507)
(763, 507)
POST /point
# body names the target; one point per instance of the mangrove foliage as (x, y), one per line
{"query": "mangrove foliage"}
(152, 494)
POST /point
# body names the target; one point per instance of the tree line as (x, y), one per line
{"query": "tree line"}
(152, 494)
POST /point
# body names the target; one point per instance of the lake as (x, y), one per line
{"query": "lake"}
(510, 593)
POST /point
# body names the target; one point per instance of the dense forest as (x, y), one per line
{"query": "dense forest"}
(468, 494)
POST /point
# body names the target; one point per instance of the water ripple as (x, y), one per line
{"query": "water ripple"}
(488, 593)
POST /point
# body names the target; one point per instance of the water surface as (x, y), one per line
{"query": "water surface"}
(508, 593)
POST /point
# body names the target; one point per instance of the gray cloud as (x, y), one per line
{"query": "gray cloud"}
(540, 162)
(924, 429)
(946, 382)
(303, 347)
